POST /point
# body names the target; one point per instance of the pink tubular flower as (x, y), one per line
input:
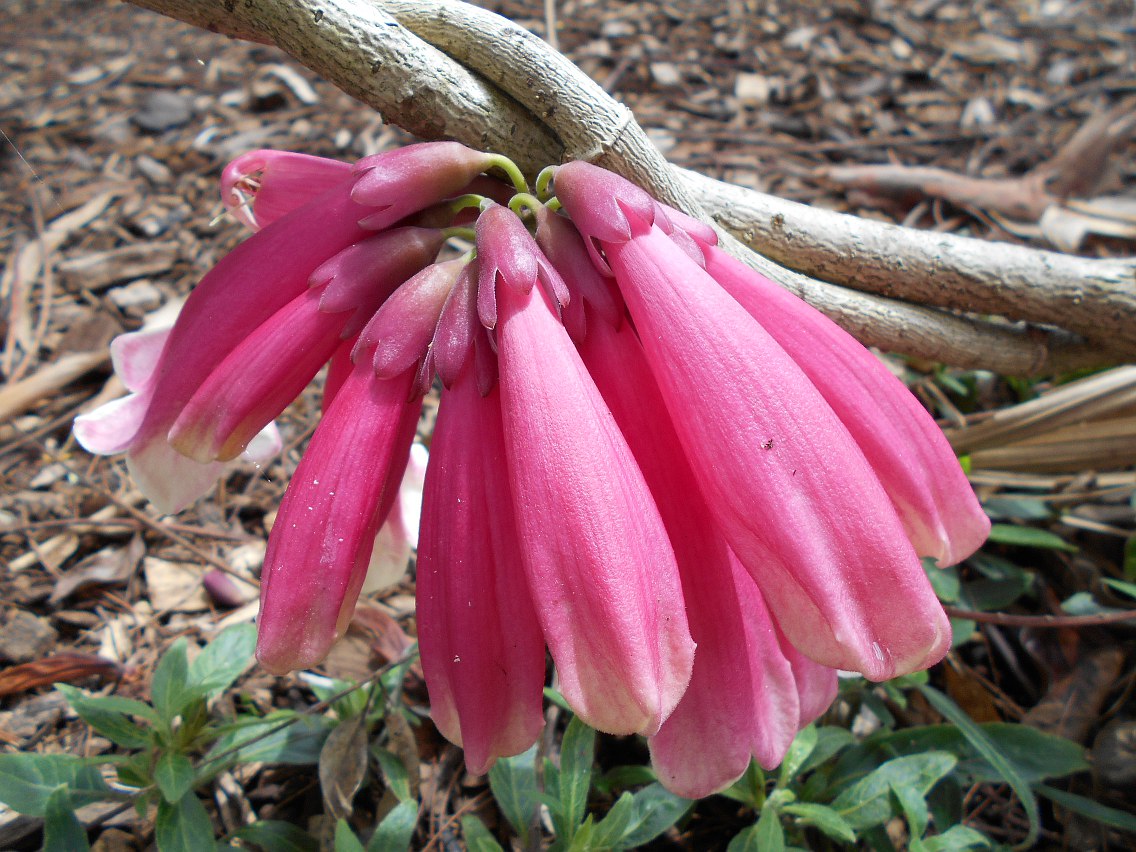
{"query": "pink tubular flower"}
(112, 427)
(322, 539)
(602, 571)
(481, 644)
(742, 699)
(792, 492)
(905, 448)
(399, 534)
(261, 186)
(696, 493)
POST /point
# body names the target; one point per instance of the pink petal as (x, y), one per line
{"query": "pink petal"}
(904, 446)
(401, 330)
(457, 326)
(565, 249)
(257, 381)
(481, 645)
(266, 444)
(278, 181)
(321, 543)
(111, 427)
(135, 355)
(505, 252)
(600, 201)
(251, 283)
(817, 685)
(793, 494)
(702, 234)
(399, 533)
(362, 276)
(742, 699)
(338, 369)
(602, 571)
(168, 479)
(403, 181)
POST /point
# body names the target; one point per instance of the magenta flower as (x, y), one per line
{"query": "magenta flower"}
(691, 490)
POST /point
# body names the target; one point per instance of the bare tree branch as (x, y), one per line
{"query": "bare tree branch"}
(1094, 298)
(366, 53)
(493, 85)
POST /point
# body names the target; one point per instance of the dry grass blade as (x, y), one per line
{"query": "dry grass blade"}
(1083, 446)
(1101, 397)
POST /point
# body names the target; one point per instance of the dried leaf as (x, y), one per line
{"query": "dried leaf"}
(1067, 226)
(342, 766)
(389, 640)
(98, 270)
(1073, 703)
(61, 668)
(174, 586)
(109, 565)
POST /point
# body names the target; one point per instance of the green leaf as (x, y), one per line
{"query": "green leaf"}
(477, 837)
(1088, 808)
(1016, 536)
(1083, 603)
(28, 780)
(945, 581)
(277, 836)
(352, 700)
(1130, 557)
(396, 829)
(993, 755)
(223, 660)
(577, 751)
(745, 841)
(62, 831)
(656, 810)
(1120, 586)
(173, 775)
(556, 698)
(768, 833)
(169, 687)
(799, 751)
(615, 824)
(513, 782)
(183, 826)
(831, 740)
(957, 838)
(394, 773)
(750, 788)
(284, 737)
(914, 808)
(625, 777)
(108, 716)
(345, 839)
(823, 818)
(868, 801)
(1035, 754)
(1016, 508)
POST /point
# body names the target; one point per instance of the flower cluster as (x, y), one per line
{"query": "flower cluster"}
(696, 492)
